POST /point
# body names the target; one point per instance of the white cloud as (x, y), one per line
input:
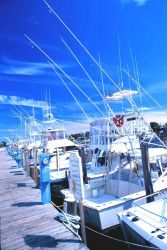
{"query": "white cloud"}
(139, 108)
(160, 87)
(156, 116)
(138, 2)
(16, 100)
(75, 127)
(15, 67)
(22, 71)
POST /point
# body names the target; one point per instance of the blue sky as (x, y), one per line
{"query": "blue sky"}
(26, 76)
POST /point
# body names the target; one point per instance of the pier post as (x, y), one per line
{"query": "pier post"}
(45, 178)
(82, 217)
(146, 171)
(83, 160)
(12, 153)
(24, 158)
(27, 162)
(7, 149)
(36, 170)
(19, 159)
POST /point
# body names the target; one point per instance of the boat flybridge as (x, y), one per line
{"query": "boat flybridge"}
(56, 143)
(51, 137)
(114, 168)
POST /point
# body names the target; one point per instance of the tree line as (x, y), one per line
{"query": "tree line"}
(160, 130)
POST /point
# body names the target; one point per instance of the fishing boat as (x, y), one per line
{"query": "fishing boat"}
(114, 176)
(59, 147)
(146, 223)
(51, 137)
(56, 143)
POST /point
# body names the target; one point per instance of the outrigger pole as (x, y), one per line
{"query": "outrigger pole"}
(70, 92)
(59, 68)
(89, 77)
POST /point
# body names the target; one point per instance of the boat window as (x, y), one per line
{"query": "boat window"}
(131, 119)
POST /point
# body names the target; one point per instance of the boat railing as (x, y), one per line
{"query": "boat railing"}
(142, 200)
(160, 195)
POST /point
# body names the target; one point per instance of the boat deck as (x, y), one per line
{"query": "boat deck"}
(149, 221)
(25, 222)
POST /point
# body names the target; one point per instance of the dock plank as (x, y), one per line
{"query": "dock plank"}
(25, 222)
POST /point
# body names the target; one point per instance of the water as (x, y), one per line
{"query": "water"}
(98, 242)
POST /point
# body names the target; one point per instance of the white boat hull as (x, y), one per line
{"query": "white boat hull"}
(105, 218)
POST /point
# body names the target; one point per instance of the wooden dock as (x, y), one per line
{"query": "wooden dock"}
(24, 222)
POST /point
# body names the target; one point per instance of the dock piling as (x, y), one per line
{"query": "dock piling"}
(146, 171)
(19, 158)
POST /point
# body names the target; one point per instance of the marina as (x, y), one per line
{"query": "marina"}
(83, 128)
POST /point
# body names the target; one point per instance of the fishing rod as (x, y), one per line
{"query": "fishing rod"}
(102, 82)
